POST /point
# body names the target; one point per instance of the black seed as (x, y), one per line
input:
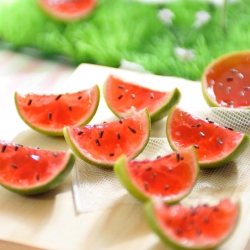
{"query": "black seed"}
(132, 130)
(191, 222)
(166, 187)
(152, 96)
(198, 232)
(37, 148)
(230, 78)
(37, 177)
(158, 157)
(196, 146)
(101, 134)
(29, 102)
(49, 115)
(149, 168)
(146, 185)
(178, 231)
(178, 157)
(205, 220)
(209, 121)
(202, 134)
(4, 147)
(182, 158)
(118, 136)
(120, 96)
(120, 121)
(196, 126)
(216, 209)
(219, 142)
(111, 154)
(16, 147)
(80, 132)
(69, 108)
(133, 96)
(194, 211)
(55, 154)
(58, 97)
(104, 122)
(120, 86)
(79, 97)
(97, 142)
(229, 128)
(13, 165)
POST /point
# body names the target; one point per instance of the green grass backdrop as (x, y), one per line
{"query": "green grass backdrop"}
(130, 30)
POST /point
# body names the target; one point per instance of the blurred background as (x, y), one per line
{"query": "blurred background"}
(174, 38)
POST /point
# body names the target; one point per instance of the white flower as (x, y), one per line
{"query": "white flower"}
(221, 2)
(131, 66)
(201, 18)
(166, 16)
(184, 54)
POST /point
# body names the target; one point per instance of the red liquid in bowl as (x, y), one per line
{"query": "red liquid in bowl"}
(227, 80)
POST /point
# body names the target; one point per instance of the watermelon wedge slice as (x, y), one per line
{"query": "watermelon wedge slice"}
(170, 178)
(103, 144)
(67, 10)
(225, 81)
(48, 114)
(215, 145)
(122, 96)
(29, 171)
(201, 227)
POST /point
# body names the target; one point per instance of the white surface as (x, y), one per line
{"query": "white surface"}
(230, 181)
(49, 221)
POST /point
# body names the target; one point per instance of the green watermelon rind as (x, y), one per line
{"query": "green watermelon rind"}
(53, 183)
(91, 161)
(209, 100)
(152, 221)
(159, 113)
(164, 110)
(154, 225)
(218, 163)
(121, 171)
(60, 132)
